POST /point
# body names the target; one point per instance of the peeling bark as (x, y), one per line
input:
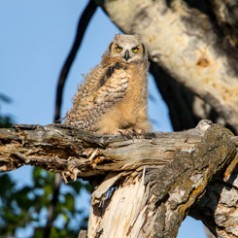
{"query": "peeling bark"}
(218, 208)
(58, 148)
(154, 202)
(150, 183)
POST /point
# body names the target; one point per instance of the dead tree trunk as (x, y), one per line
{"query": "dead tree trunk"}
(149, 184)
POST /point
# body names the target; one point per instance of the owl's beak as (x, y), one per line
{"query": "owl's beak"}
(126, 55)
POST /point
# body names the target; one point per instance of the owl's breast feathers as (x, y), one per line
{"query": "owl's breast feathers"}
(117, 100)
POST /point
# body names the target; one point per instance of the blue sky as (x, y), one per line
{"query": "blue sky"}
(35, 39)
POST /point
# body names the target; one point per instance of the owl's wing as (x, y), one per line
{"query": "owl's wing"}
(90, 83)
(112, 90)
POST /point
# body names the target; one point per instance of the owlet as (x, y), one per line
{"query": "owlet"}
(113, 96)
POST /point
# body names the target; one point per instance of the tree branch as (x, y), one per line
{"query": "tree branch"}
(58, 148)
(218, 208)
(82, 26)
(169, 172)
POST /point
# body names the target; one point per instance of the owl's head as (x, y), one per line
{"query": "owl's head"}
(129, 48)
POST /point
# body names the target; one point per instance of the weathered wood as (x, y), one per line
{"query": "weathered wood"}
(77, 153)
(151, 182)
(154, 202)
(218, 208)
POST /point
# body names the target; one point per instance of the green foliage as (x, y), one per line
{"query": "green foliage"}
(5, 120)
(27, 207)
(12, 200)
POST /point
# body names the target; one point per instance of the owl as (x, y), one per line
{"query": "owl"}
(113, 96)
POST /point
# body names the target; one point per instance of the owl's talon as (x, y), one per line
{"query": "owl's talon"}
(126, 133)
(131, 133)
(138, 132)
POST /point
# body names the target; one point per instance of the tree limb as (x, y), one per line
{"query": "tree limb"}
(169, 172)
(81, 28)
(218, 208)
(56, 148)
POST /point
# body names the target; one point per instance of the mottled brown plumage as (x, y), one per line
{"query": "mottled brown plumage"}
(113, 95)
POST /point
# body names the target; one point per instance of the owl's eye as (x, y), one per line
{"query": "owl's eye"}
(118, 49)
(135, 49)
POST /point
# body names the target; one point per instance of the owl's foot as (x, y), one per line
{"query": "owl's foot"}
(131, 133)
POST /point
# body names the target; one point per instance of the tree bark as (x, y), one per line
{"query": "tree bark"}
(226, 12)
(220, 206)
(149, 183)
(185, 42)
